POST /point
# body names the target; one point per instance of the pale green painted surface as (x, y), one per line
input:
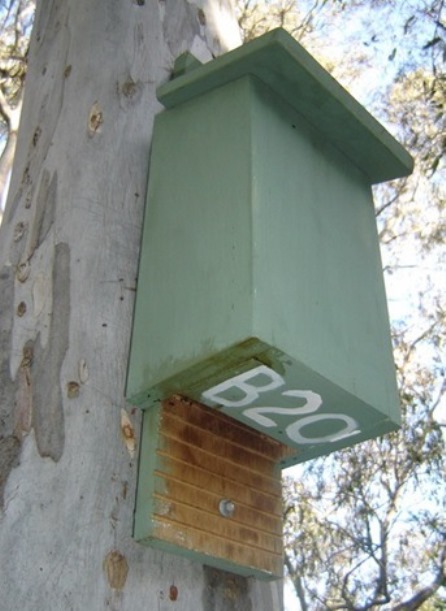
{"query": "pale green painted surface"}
(279, 61)
(319, 288)
(195, 280)
(148, 445)
(258, 226)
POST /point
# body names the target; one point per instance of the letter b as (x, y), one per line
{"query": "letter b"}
(250, 391)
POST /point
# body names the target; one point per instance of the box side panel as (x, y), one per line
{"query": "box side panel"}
(194, 292)
(142, 528)
(318, 277)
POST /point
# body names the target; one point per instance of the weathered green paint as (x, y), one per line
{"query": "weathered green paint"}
(186, 62)
(280, 62)
(146, 480)
(194, 294)
(260, 246)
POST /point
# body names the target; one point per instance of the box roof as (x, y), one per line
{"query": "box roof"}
(282, 63)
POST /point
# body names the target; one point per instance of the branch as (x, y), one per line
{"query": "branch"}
(422, 336)
(425, 593)
(297, 583)
(397, 193)
(422, 596)
(439, 398)
(5, 108)
(382, 592)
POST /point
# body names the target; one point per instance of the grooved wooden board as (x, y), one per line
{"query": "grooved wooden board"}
(192, 457)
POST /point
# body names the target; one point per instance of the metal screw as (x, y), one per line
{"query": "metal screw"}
(226, 508)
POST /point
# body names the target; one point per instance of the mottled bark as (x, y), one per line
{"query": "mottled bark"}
(69, 246)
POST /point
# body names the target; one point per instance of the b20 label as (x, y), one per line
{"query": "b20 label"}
(249, 388)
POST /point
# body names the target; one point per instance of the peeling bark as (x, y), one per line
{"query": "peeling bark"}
(176, 16)
(9, 442)
(48, 415)
(69, 247)
(9, 458)
(44, 212)
(116, 569)
(21, 404)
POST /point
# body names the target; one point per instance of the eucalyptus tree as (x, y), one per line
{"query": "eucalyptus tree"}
(69, 246)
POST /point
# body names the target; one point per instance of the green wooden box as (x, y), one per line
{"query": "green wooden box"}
(260, 288)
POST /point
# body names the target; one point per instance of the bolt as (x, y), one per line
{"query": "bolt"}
(226, 508)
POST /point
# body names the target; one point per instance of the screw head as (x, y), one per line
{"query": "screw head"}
(226, 508)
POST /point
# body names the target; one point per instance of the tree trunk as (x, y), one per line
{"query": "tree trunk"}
(69, 247)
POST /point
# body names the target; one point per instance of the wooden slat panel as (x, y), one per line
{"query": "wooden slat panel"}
(209, 500)
(177, 428)
(216, 464)
(217, 547)
(269, 503)
(225, 427)
(214, 523)
(201, 457)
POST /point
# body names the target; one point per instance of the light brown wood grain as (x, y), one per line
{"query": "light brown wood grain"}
(203, 457)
